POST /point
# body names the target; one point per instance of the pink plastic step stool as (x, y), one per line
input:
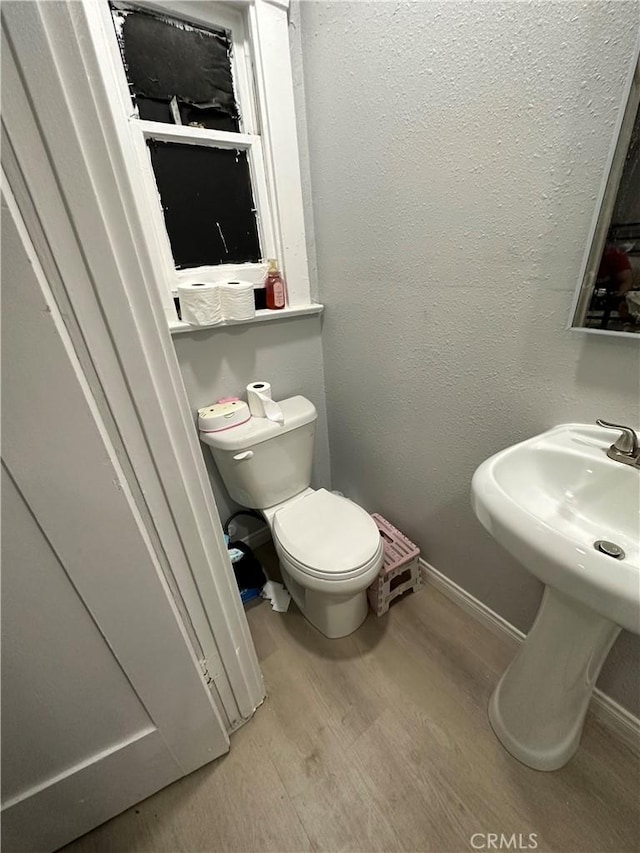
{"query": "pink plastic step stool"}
(400, 568)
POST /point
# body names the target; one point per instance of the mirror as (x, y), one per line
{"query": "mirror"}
(608, 298)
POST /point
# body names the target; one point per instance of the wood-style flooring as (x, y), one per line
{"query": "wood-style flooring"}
(380, 742)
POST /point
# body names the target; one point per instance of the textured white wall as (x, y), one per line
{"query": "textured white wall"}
(456, 151)
(222, 362)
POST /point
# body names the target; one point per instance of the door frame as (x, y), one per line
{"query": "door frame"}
(61, 154)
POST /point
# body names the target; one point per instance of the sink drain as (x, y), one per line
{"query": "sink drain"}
(609, 548)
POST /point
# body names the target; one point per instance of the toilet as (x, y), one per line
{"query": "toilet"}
(330, 549)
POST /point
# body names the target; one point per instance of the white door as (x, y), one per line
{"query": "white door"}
(103, 700)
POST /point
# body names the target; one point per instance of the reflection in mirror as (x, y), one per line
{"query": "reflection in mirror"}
(609, 296)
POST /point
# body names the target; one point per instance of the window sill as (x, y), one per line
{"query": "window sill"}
(178, 327)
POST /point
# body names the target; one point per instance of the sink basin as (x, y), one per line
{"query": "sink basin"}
(548, 501)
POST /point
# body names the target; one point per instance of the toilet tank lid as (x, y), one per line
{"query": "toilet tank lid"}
(297, 412)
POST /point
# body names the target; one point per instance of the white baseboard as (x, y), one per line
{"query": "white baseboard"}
(258, 537)
(616, 718)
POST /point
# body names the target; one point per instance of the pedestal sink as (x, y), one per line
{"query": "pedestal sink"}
(549, 501)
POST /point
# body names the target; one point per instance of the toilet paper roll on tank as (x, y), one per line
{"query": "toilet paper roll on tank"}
(261, 405)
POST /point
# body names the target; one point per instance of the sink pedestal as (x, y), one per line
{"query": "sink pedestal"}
(538, 708)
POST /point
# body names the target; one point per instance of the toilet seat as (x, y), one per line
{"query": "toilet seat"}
(331, 577)
(328, 537)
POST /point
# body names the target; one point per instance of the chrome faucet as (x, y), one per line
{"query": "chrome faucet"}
(626, 448)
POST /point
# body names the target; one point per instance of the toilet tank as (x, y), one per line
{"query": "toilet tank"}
(262, 462)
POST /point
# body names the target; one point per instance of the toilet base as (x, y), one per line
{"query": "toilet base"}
(333, 615)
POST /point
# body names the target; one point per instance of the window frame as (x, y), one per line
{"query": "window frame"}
(261, 69)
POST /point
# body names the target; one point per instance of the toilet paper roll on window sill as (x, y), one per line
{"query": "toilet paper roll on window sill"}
(237, 301)
(200, 304)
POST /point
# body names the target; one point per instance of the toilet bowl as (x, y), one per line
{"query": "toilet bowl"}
(330, 549)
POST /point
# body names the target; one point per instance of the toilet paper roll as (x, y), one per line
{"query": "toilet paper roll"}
(260, 403)
(236, 299)
(200, 304)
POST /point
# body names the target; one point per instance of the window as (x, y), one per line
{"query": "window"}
(179, 73)
(207, 202)
(183, 76)
(204, 91)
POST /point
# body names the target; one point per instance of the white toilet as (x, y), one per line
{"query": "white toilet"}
(330, 549)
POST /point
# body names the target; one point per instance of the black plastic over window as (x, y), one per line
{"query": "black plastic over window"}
(166, 58)
(207, 203)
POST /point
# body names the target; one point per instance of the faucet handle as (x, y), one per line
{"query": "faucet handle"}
(626, 443)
